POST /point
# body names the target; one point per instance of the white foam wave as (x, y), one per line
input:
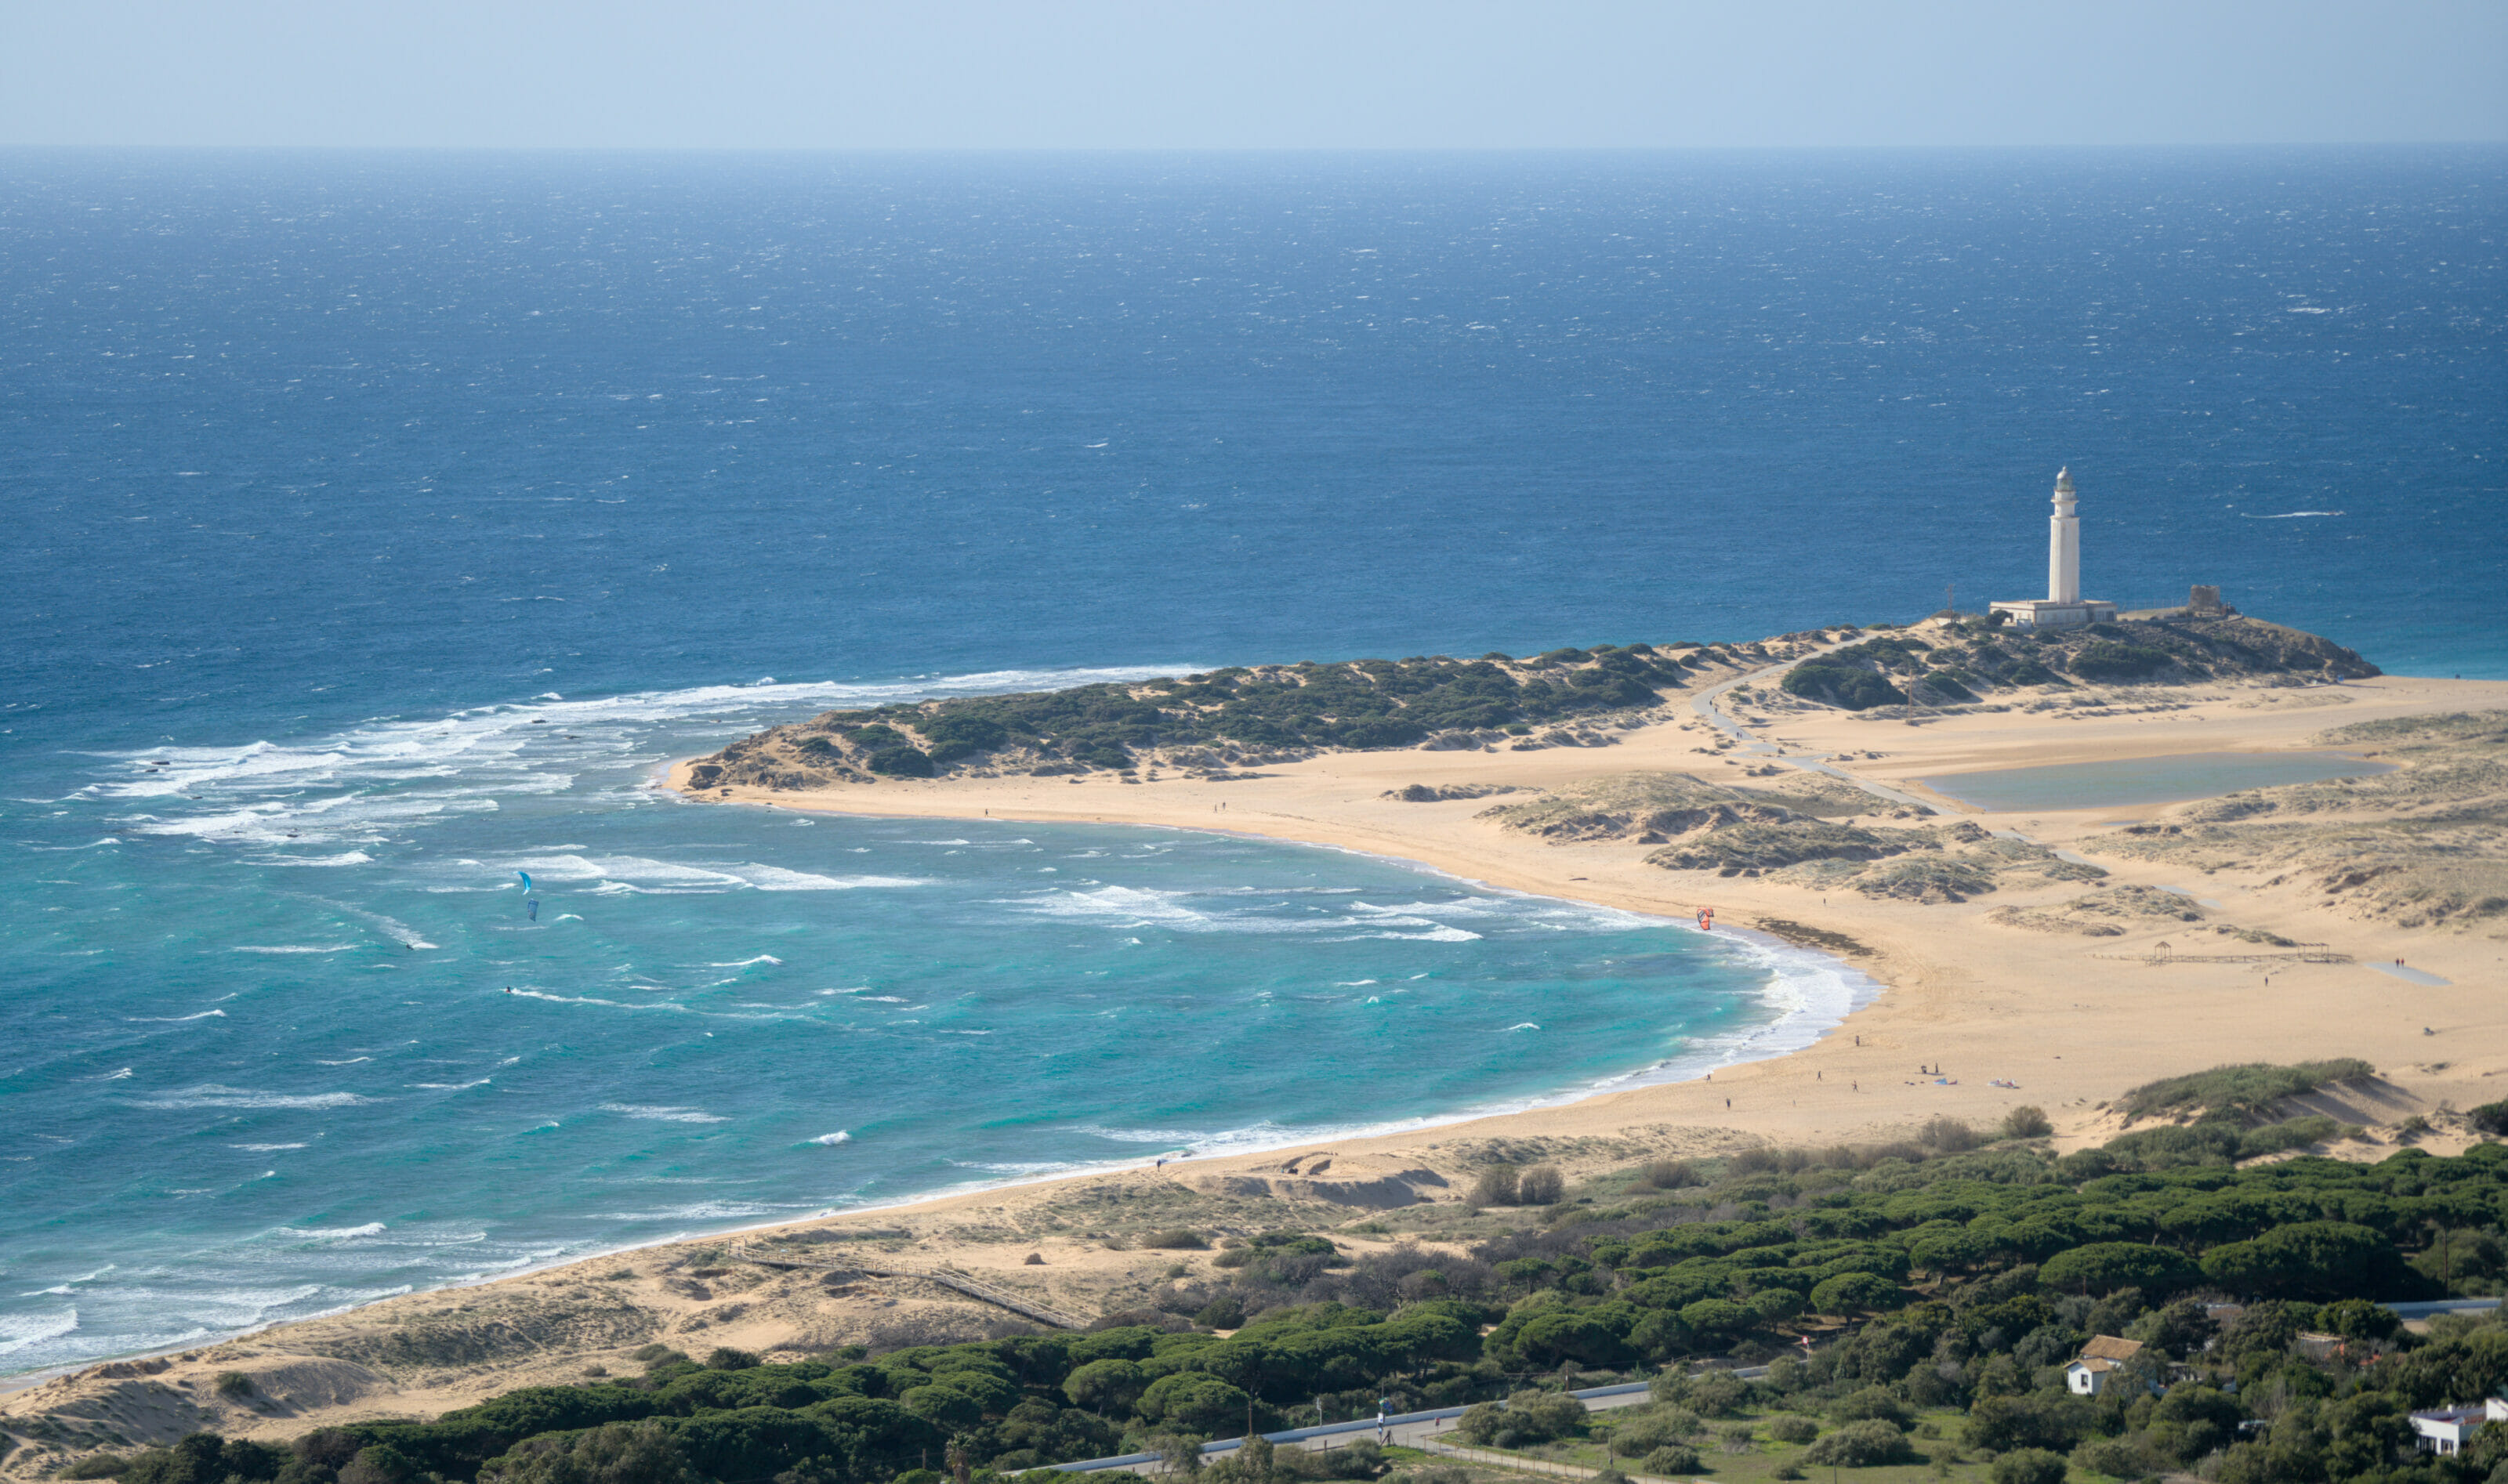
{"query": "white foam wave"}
(537, 1254)
(391, 927)
(657, 1114)
(343, 859)
(172, 1020)
(1523, 1026)
(839, 1137)
(264, 1148)
(19, 1331)
(451, 1087)
(746, 963)
(211, 1094)
(1142, 1136)
(355, 786)
(1140, 907)
(1806, 992)
(777, 878)
(334, 1233)
(589, 1000)
(618, 874)
(706, 1210)
(669, 1006)
(1045, 1166)
(1198, 912)
(291, 948)
(622, 868)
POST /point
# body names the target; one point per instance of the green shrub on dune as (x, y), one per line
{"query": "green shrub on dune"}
(1945, 1276)
(1862, 1445)
(902, 762)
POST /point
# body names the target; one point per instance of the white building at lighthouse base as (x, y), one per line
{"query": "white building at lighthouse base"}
(2063, 606)
(2041, 613)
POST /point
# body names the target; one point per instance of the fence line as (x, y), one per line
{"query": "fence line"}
(1534, 1465)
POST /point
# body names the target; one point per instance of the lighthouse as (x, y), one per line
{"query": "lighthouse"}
(2064, 544)
(2063, 606)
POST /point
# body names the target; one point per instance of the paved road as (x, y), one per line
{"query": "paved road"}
(1409, 1429)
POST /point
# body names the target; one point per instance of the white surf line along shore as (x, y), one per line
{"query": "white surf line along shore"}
(1704, 704)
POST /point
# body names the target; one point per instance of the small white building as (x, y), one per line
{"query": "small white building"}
(2064, 607)
(2099, 1360)
(2446, 1429)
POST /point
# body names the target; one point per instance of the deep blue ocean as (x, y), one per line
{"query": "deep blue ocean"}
(378, 523)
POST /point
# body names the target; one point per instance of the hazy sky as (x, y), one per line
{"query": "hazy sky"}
(1254, 74)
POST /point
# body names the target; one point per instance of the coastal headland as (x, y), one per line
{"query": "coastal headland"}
(2029, 956)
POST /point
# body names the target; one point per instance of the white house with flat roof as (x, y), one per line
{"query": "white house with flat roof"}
(2446, 1429)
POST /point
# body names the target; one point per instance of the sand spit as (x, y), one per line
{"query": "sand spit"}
(2071, 954)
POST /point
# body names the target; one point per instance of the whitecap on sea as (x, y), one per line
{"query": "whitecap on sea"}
(211, 1094)
(660, 1114)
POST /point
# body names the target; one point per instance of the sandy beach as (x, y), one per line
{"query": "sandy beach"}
(1983, 1006)
(2071, 1021)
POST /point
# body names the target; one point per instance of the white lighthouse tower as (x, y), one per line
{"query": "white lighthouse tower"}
(2064, 544)
(2063, 607)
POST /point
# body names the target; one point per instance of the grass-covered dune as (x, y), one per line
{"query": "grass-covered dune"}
(1976, 658)
(1225, 717)
(1946, 1278)
(1206, 724)
(2423, 845)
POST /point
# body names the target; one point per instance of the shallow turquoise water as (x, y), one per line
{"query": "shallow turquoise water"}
(288, 1034)
(2120, 783)
(323, 470)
